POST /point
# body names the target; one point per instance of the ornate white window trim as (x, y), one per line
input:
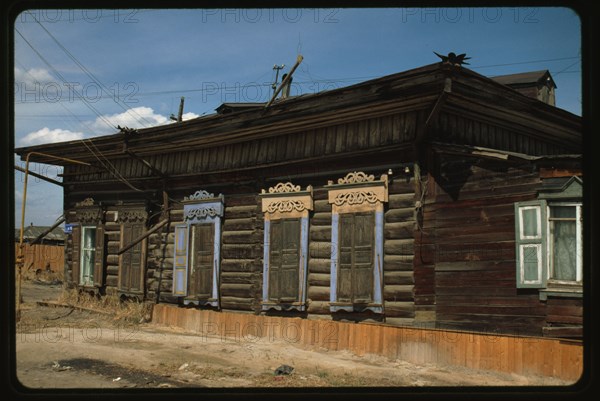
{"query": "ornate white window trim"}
(358, 192)
(286, 201)
(198, 208)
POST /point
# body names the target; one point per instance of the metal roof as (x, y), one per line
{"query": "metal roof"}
(523, 78)
(32, 232)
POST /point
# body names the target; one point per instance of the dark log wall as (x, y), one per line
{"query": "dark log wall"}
(242, 252)
(468, 239)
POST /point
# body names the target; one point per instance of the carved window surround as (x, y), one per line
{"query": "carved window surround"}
(86, 212)
(358, 192)
(286, 201)
(198, 208)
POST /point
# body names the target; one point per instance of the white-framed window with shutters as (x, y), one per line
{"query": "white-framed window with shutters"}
(548, 238)
(196, 267)
(286, 210)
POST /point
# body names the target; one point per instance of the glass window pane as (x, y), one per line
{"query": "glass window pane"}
(563, 212)
(564, 250)
(530, 227)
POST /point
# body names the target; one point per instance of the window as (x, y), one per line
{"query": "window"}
(357, 242)
(548, 234)
(564, 242)
(285, 258)
(87, 245)
(197, 250)
(88, 253)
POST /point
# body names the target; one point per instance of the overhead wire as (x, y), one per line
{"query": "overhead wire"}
(89, 73)
(59, 75)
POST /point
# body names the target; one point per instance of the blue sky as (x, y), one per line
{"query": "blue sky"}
(132, 66)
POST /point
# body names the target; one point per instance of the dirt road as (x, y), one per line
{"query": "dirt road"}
(71, 348)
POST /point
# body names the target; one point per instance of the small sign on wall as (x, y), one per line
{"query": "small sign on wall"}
(69, 228)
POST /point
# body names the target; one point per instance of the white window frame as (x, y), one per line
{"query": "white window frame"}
(83, 266)
(579, 247)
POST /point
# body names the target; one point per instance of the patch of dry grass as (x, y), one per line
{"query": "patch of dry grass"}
(130, 311)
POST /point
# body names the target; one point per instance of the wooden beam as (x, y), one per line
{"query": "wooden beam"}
(142, 237)
(41, 177)
(286, 80)
(42, 235)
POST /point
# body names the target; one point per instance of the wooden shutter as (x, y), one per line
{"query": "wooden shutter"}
(284, 260)
(346, 232)
(530, 243)
(75, 253)
(136, 268)
(180, 267)
(355, 265)
(362, 268)
(290, 261)
(99, 257)
(276, 239)
(131, 261)
(203, 246)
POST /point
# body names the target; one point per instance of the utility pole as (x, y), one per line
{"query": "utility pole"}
(278, 68)
(179, 117)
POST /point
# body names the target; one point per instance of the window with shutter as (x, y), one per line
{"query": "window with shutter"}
(530, 226)
(357, 242)
(285, 207)
(548, 239)
(197, 250)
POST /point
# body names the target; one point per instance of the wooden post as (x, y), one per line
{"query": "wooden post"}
(180, 114)
(285, 81)
(42, 235)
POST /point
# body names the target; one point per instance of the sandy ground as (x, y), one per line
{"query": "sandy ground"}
(69, 348)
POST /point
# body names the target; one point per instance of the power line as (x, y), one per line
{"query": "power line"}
(525, 62)
(63, 106)
(86, 71)
(64, 80)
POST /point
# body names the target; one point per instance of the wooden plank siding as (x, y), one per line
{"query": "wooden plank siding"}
(468, 246)
(499, 353)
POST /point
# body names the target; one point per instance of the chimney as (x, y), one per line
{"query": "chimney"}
(536, 84)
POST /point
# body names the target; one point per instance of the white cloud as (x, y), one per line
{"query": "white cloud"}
(189, 116)
(33, 75)
(137, 117)
(47, 135)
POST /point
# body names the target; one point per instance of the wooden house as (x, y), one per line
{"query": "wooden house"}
(434, 197)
